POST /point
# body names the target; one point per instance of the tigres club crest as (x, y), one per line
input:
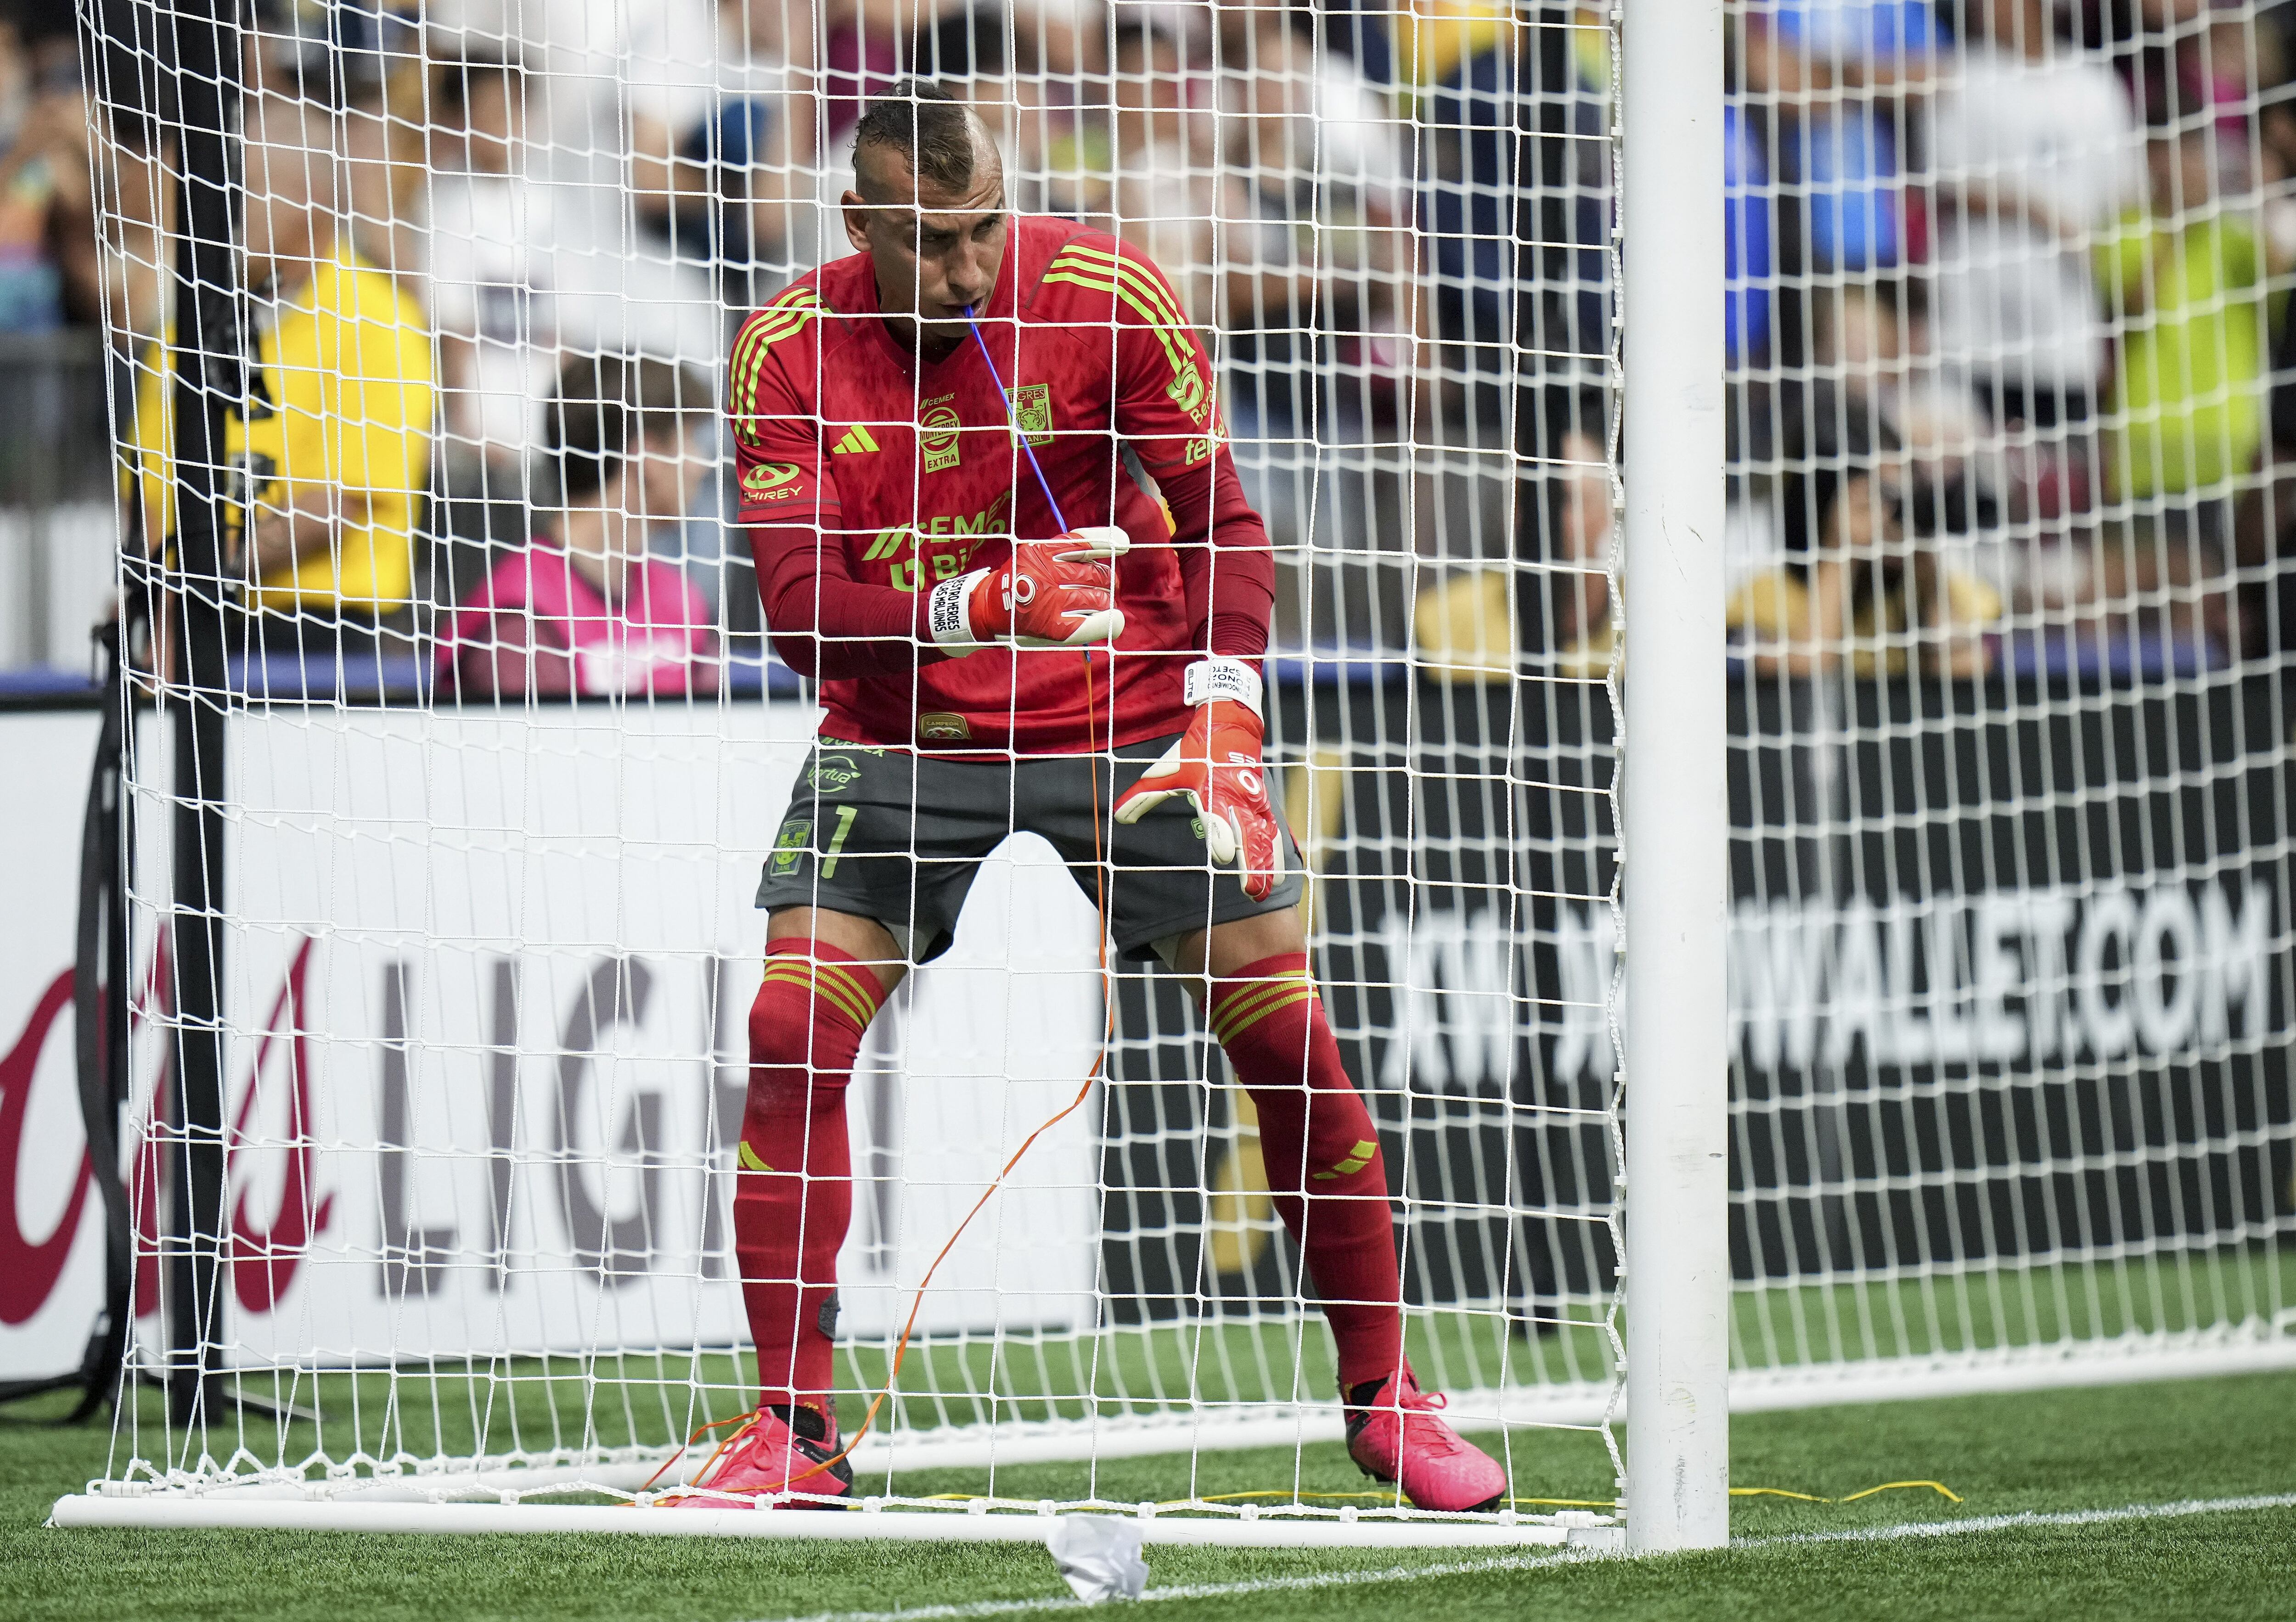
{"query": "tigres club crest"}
(1032, 412)
(937, 437)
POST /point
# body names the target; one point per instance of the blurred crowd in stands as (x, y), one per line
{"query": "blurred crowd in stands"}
(2011, 391)
(2003, 299)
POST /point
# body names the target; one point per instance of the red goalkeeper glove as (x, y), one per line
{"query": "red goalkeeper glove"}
(1054, 593)
(1216, 764)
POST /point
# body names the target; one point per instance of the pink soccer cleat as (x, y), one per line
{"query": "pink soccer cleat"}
(777, 1450)
(1393, 1435)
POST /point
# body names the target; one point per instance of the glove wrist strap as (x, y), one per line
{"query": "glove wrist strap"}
(949, 614)
(1232, 679)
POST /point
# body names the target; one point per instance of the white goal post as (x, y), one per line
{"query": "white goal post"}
(1674, 1067)
(1863, 970)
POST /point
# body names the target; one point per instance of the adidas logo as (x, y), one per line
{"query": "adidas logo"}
(857, 439)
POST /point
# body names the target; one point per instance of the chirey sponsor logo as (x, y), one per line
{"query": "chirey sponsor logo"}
(769, 481)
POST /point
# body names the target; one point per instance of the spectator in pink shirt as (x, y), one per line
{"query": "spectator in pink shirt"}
(583, 609)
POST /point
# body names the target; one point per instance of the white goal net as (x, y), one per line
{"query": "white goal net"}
(486, 938)
(2010, 929)
(441, 1053)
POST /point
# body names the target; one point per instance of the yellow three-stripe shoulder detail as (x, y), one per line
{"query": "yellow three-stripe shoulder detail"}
(1145, 296)
(1104, 262)
(786, 317)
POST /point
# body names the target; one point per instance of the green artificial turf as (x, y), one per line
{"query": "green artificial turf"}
(2047, 1452)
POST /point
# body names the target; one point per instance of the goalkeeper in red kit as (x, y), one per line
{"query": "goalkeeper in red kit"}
(1002, 649)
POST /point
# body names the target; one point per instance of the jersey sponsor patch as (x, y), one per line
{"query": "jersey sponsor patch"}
(1188, 392)
(930, 568)
(889, 544)
(936, 436)
(765, 481)
(941, 726)
(833, 774)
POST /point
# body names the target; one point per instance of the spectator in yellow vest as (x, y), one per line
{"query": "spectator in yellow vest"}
(332, 452)
(2187, 277)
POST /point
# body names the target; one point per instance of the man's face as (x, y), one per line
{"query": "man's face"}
(290, 162)
(660, 476)
(1866, 524)
(935, 251)
(1147, 91)
(497, 121)
(2183, 171)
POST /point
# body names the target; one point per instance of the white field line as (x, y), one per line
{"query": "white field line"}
(1531, 1562)
(2030, 1518)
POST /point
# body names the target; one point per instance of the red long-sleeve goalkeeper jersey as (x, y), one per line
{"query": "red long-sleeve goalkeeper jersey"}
(867, 476)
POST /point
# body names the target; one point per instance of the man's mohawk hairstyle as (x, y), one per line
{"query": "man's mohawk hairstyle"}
(930, 129)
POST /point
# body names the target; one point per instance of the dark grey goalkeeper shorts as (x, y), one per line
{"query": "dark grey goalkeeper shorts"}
(889, 834)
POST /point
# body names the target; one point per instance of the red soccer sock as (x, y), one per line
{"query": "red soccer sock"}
(1316, 1137)
(794, 1196)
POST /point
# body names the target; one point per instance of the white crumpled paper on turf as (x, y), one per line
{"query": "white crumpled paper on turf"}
(1100, 1556)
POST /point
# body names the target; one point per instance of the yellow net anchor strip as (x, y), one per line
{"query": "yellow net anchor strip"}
(1939, 1487)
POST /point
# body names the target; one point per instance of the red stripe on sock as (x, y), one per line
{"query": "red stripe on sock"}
(789, 1222)
(1311, 1121)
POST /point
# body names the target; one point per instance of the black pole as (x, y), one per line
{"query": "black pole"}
(101, 991)
(99, 1032)
(209, 387)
